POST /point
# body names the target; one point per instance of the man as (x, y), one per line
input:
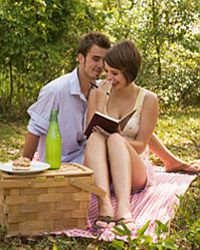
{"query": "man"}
(69, 94)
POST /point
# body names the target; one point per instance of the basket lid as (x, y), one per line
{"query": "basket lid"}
(66, 169)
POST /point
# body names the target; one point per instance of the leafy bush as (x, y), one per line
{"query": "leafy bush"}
(143, 241)
(38, 44)
(39, 38)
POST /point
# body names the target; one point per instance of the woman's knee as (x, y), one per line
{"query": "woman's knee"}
(95, 137)
(114, 139)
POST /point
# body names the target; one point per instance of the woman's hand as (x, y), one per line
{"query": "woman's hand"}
(104, 86)
(102, 131)
(98, 99)
(101, 95)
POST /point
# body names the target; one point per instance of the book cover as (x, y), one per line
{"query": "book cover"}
(107, 123)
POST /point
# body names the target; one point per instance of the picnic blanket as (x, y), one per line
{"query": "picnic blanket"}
(156, 202)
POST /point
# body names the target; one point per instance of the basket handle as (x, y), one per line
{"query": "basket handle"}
(89, 188)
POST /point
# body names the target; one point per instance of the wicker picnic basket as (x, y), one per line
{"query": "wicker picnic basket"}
(53, 200)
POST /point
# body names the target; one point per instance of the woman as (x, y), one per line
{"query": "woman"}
(121, 158)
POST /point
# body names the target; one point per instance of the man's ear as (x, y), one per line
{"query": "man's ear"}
(80, 58)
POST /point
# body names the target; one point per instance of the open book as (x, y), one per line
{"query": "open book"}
(108, 123)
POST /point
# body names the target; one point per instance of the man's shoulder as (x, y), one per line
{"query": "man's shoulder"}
(62, 82)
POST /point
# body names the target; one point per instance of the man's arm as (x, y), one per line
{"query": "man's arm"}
(30, 146)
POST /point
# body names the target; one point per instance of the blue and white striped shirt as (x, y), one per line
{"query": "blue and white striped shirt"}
(63, 94)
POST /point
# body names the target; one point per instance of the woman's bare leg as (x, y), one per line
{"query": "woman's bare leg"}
(171, 162)
(96, 159)
(127, 170)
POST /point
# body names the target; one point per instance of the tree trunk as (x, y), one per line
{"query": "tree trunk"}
(11, 83)
(156, 36)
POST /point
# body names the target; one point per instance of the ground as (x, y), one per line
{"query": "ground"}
(179, 130)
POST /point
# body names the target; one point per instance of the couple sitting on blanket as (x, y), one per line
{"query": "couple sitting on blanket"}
(120, 158)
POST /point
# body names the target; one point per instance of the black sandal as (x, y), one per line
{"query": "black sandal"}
(126, 222)
(103, 219)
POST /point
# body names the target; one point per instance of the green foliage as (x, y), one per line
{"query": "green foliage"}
(194, 234)
(39, 39)
(186, 226)
(144, 241)
(172, 133)
(168, 59)
(167, 33)
(38, 44)
(11, 137)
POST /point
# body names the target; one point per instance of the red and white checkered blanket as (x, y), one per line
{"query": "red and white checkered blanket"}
(157, 202)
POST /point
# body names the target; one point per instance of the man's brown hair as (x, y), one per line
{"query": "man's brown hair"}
(125, 57)
(90, 39)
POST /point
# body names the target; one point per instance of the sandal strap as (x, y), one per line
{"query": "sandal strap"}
(103, 219)
(106, 219)
(124, 220)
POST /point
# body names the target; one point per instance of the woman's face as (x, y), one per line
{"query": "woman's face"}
(115, 77)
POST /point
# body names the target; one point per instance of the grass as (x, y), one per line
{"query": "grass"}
(12, 139)
(180, 133)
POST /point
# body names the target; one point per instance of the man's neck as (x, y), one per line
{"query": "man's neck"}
(84, 83)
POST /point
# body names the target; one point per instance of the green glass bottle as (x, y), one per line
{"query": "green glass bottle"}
(53, 142)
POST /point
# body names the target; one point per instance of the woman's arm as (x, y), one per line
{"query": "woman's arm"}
(148, 119)
(98, 99)
(91, 105)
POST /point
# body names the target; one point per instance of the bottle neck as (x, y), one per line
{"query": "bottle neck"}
(54, 116)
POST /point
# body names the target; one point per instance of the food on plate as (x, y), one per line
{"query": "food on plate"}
(21, 163)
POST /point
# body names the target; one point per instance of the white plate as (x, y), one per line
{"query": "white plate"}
(36, 167)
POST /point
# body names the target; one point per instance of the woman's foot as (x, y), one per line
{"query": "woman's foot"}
(191, 168)
(177, 164)
(105, 207)
(106, 214)
(126, 222)
(123, 215)
(103, 222)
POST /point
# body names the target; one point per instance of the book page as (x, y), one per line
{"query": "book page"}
(124, 120)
